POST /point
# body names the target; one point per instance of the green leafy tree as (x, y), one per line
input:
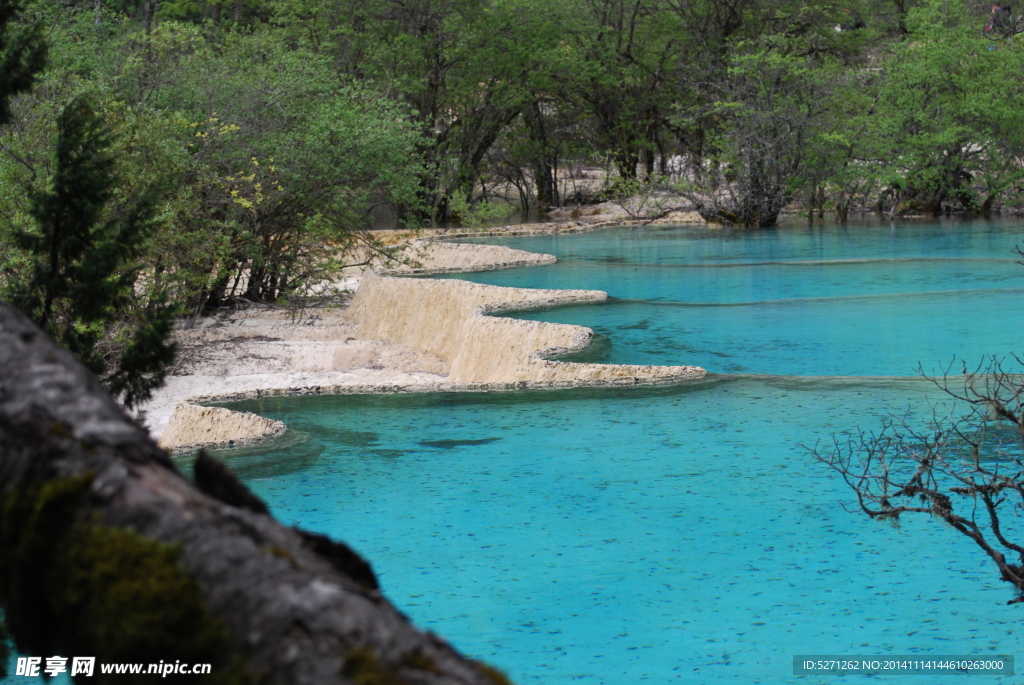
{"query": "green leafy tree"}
(951, 114)
(217, 11)
(623, 72)
(770, 116)
(287, 164)
(456, 67)
(80, 285)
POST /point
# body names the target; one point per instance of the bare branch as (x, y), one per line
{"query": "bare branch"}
(934, 468)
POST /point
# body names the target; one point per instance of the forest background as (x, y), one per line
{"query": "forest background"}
(209, 153)
(253, 142)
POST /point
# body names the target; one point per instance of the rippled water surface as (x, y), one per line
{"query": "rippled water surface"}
(677, 534)
(861, 300)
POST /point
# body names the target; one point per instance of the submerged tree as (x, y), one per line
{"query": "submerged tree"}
(80, 285)
(967, 472)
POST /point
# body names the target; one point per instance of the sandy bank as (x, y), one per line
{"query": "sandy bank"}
(241, 354)
(397, 335)
(440, 258)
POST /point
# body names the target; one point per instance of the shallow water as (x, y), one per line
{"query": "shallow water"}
(681, 534)
(829, 300)
(675, 534)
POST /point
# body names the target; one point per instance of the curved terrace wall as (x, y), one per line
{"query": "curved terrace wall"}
(192, 426)
(450, 319)
(452, 323)
(430, 314)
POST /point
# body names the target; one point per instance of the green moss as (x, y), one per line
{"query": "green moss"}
(34, 525)
(493, 674)
(364, 668)
(127, 598)
(72, 587)
(282, 553)
(418, 661)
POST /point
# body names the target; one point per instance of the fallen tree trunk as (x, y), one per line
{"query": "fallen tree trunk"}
(106, 550)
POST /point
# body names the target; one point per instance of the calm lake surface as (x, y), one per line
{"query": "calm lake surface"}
(680, 534)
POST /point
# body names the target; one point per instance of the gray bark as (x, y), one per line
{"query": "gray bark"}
(292, 617)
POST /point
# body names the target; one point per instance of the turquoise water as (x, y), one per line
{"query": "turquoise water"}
(666, 535)
(681, 534)
(862, 301)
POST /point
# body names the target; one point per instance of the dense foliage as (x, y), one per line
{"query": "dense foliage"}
(279, 130)
(81, 275)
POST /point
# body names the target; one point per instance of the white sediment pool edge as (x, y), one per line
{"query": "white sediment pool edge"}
(456, 320)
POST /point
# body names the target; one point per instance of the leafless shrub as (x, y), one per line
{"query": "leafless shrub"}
(966, 471)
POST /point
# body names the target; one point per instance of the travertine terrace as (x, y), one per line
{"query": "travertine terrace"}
(455, 321)
(397, 335)
(194, 425)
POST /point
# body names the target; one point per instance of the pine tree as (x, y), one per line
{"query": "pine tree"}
(81, 286)
(22, 56)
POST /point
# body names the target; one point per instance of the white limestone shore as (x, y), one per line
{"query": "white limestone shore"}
(396, 335)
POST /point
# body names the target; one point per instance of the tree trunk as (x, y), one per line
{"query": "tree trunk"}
(986, 206)
(843, 209)
(149, 10)
(626, 162)
(284, 606)
(544, 169)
